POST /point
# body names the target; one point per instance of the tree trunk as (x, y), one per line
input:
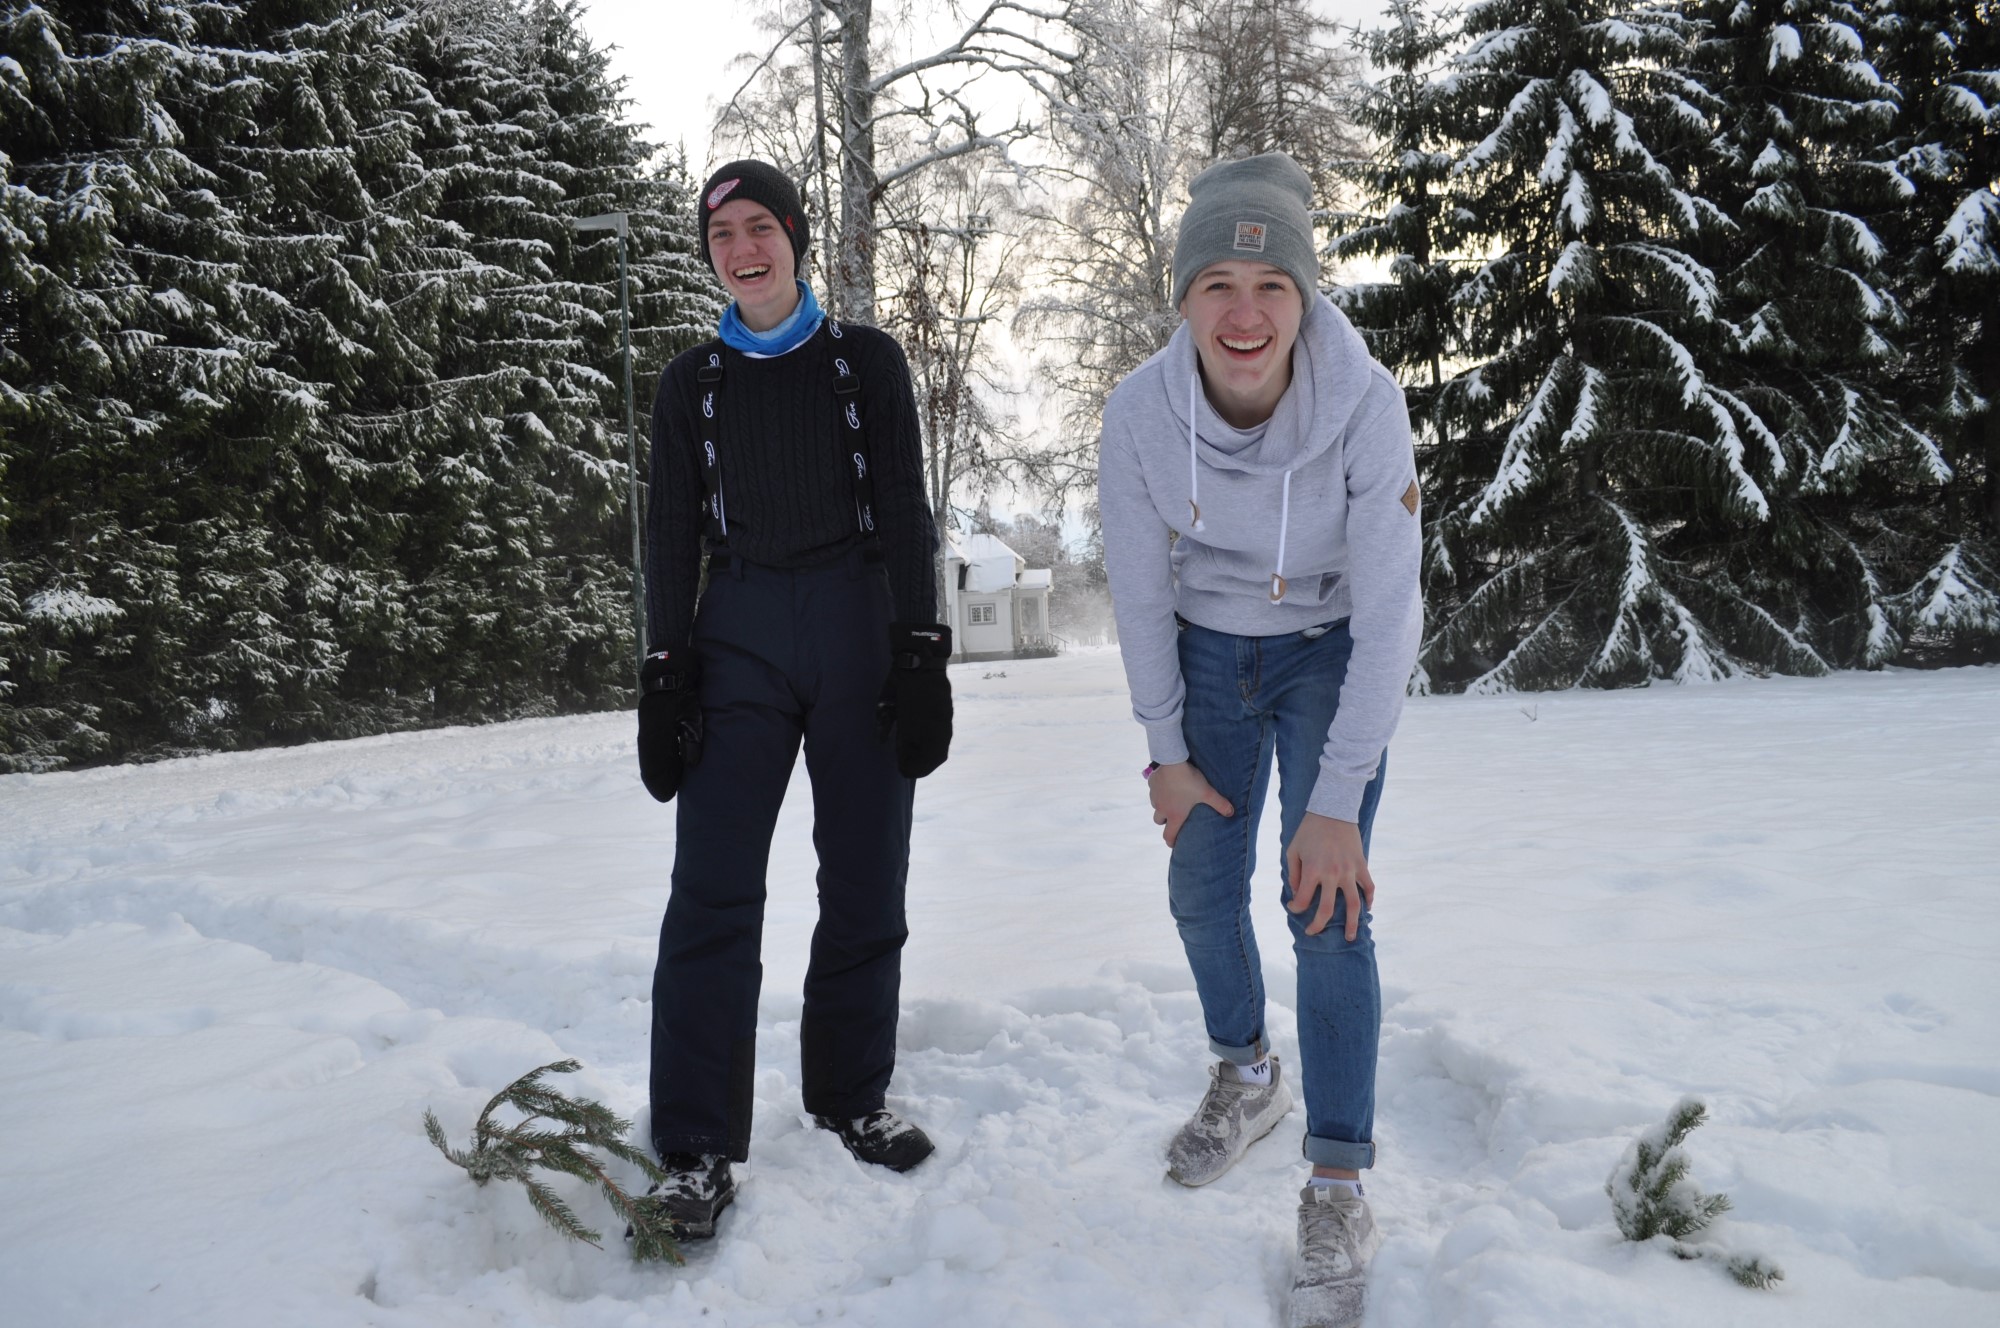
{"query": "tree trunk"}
(853, 263)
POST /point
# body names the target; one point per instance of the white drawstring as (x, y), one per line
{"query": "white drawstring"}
(1278, 586)
(1194, 466)
(1284, 524)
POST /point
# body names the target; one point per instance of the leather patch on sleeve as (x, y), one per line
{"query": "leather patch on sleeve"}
(1410, 497)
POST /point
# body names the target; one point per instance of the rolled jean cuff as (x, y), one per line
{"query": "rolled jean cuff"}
(1249, 1055)
(1342, 1153)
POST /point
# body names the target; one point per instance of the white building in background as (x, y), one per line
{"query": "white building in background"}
(998, 606)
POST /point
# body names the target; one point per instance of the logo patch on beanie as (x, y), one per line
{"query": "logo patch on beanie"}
(1250, 235)
(721, 191)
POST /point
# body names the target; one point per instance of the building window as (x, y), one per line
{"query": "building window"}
(977, 614)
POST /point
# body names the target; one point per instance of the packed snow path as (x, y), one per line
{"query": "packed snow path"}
(230, 986)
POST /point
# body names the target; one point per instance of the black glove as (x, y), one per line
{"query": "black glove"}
(916, 700)
(669, 721)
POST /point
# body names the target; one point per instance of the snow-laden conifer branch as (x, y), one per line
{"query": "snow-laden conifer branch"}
(502, 1151)
(1883, 641)
(1681, 361)
(1959, 593)
(1556, 165)
(1517, 461)
(1545, 639)
(1729, 443)
(1586, 414)
(1693, 284)
(1513, 124)
(1653, 1198)
(1750, 421)
(1970, 240)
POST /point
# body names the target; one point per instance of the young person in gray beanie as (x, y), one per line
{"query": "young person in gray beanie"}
(1259, 499)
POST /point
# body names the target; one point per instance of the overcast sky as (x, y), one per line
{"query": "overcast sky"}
(679, 54)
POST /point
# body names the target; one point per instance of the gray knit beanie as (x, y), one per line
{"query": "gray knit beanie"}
(1258, 209)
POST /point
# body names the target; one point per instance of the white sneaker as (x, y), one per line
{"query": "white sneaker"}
(1232, 1116)
(1337, 1238)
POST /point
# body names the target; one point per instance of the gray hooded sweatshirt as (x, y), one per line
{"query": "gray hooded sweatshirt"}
(1322, 495)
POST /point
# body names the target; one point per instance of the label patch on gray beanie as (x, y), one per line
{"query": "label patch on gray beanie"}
(1250, 235)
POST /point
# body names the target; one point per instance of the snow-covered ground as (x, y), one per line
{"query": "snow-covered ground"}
(230, 986)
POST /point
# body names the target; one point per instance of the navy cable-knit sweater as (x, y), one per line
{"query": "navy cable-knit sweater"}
(786, 483)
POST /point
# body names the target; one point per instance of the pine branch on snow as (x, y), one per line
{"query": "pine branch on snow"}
(1652, 1196)
(513, 1152)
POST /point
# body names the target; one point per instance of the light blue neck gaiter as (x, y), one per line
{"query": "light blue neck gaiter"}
(794, 332)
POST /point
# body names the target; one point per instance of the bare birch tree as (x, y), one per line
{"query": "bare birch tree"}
(954, 250)
(829, 101)
(1125, 152)
(1275, 77)
(1159, 90)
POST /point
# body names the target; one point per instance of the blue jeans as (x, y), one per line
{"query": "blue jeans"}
(1246, 697)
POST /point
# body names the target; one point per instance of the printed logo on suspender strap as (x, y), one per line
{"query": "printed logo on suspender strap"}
(710, 375)
(847, 385)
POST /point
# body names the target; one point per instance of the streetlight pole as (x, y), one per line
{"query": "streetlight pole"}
(618, 221)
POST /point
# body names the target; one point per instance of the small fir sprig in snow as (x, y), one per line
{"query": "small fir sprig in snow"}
(512, 1152)
(1652, 1196)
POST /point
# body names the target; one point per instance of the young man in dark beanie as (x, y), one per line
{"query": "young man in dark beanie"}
(1259, 496)
(786, 465)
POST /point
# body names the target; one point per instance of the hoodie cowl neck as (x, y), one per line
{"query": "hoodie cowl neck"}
(1329, 375)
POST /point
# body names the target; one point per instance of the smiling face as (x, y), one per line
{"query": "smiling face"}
(1245, 319)
(752, 254)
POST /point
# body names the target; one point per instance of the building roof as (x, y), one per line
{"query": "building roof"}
(990, 564)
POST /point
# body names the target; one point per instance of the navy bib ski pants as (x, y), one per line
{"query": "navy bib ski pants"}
(786, 656)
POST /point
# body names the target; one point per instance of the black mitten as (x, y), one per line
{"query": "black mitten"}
(669, 721)
(916, 700)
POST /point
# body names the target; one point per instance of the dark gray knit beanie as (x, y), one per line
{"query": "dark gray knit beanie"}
(1258, 209)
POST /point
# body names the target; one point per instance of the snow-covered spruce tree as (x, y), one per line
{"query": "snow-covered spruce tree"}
(129, 349)
(274, 466)
(1810, 322)
(523, 601)
(600, 158)
(475, 543)
(312, 132)
(1404, 221)
(76, 144)
(1652, 1197)
(1598, 476)
(1943, 56)
(676, 302)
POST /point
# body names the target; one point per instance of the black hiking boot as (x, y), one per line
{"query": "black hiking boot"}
(697, 1188)
(881, 1138)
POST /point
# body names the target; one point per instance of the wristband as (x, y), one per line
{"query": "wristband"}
(1147, 773)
